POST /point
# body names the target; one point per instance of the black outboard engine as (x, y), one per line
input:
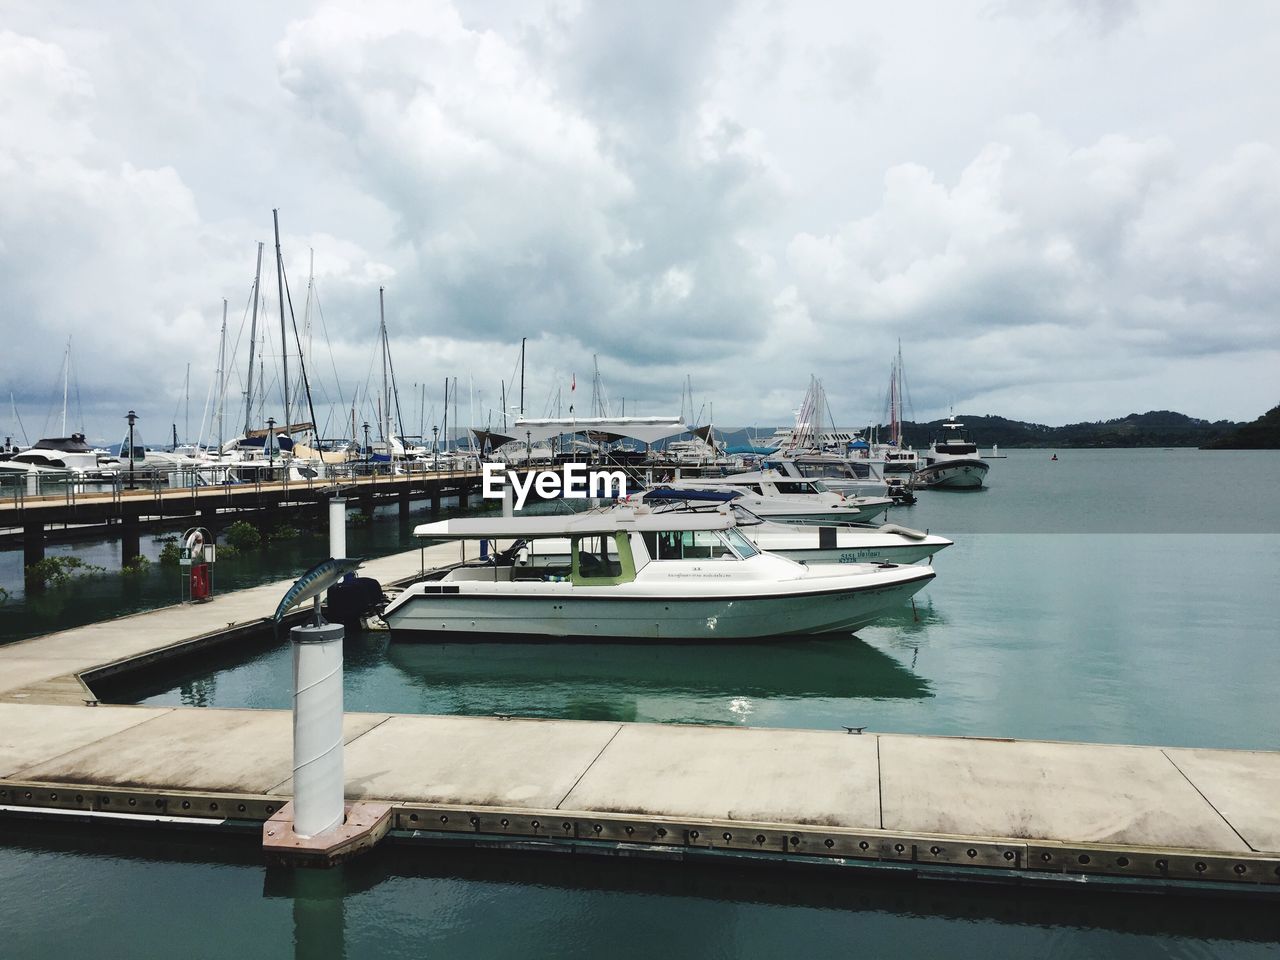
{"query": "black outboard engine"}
(354, 599)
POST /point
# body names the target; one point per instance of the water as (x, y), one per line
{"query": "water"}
(1114, 596)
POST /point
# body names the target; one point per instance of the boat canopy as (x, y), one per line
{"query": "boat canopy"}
(644, 429)
(710, 496)
(569, 525)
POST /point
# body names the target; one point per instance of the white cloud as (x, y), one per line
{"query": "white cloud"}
(1048, 204)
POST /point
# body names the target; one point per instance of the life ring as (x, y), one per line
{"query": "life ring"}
(195, 544)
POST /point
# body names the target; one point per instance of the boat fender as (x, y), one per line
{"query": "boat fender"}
(902, 531)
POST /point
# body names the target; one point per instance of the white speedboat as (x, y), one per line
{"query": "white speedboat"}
(635, 574)
(952, 461)
(853, 478)
(806, 543)
(790, 500)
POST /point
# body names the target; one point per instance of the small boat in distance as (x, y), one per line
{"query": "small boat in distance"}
(638, 575)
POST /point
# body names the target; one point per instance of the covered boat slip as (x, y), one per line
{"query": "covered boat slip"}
(999, 809)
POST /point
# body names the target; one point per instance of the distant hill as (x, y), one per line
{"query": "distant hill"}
(1156, 428)
(1262, 434)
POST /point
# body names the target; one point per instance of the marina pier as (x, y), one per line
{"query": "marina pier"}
(1007, 810)
(40, 518)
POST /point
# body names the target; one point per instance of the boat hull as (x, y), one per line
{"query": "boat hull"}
(574, 613)
(957, 474)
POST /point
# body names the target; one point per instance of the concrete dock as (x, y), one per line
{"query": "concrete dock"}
(996, 809)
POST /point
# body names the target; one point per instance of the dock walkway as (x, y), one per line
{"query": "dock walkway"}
(1002, 808)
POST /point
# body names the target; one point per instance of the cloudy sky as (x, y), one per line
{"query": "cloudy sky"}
(1064, 210)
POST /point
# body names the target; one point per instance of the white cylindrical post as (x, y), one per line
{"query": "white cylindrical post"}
(508, 501)
(338, 528)
(317, 728)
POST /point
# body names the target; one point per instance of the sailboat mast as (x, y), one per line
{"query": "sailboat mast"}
(222, 376)
(253, 341)
(384, 421)
(445, 430)
(504, 416)
(284, 340)
(66, 377)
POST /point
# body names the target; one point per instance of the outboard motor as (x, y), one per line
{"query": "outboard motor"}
(354, 599)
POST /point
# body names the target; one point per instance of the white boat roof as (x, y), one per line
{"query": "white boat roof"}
(570, 525)
(644, 429)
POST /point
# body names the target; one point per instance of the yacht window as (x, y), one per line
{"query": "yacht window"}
(795, 486)
(744, 547)
(703, 545)
(686, 545)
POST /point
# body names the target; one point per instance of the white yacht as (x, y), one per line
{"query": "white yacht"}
(69, 456)
(952, 461)
(635, 574)
(790, 500)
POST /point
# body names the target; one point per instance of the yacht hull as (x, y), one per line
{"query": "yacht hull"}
(955, 474)
(578, 613)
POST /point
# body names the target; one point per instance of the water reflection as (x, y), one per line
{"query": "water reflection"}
(607, 681)
(404, 897)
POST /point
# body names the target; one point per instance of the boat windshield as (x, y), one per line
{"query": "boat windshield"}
(741, 545)
(801, 487)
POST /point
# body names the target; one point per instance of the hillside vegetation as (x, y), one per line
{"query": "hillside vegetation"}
(1262, 434)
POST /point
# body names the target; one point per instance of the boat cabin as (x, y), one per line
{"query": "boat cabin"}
(589, 549)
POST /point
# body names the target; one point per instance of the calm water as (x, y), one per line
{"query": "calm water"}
(1122, 596)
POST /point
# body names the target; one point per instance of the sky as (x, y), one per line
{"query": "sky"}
(1064, 210)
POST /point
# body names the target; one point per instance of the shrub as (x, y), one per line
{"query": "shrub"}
(170, 553)
(58, 570)
(243, 535)
(284, 531)
(4, 596)
(359, 519)
(138, 565)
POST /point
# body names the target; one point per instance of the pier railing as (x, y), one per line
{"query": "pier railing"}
(203, 487)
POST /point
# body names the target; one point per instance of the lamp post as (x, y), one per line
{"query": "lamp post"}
(435, 450)
(271, 435)
(132, 418)
(365, 425)
(528, 447)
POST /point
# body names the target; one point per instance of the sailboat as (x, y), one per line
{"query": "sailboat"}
(897, 455)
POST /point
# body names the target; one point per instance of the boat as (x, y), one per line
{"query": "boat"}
(853, 478)
(897, 456)
(791, 500)
(639, 575)
(66, 456)
(806, 543)
(952, 461)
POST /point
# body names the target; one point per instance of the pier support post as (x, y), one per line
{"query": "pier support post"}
(462, 497)
(338, 528)
(32, 553)
(317, 827)
(130, 540)
(209, 519)
(435, 499)
(404, 506)
(317, 728)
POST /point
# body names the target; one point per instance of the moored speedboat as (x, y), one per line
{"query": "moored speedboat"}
(635, 574)
(791, 500)
(806, 543)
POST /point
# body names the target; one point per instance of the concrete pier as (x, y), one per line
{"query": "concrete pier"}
(1019, 811)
